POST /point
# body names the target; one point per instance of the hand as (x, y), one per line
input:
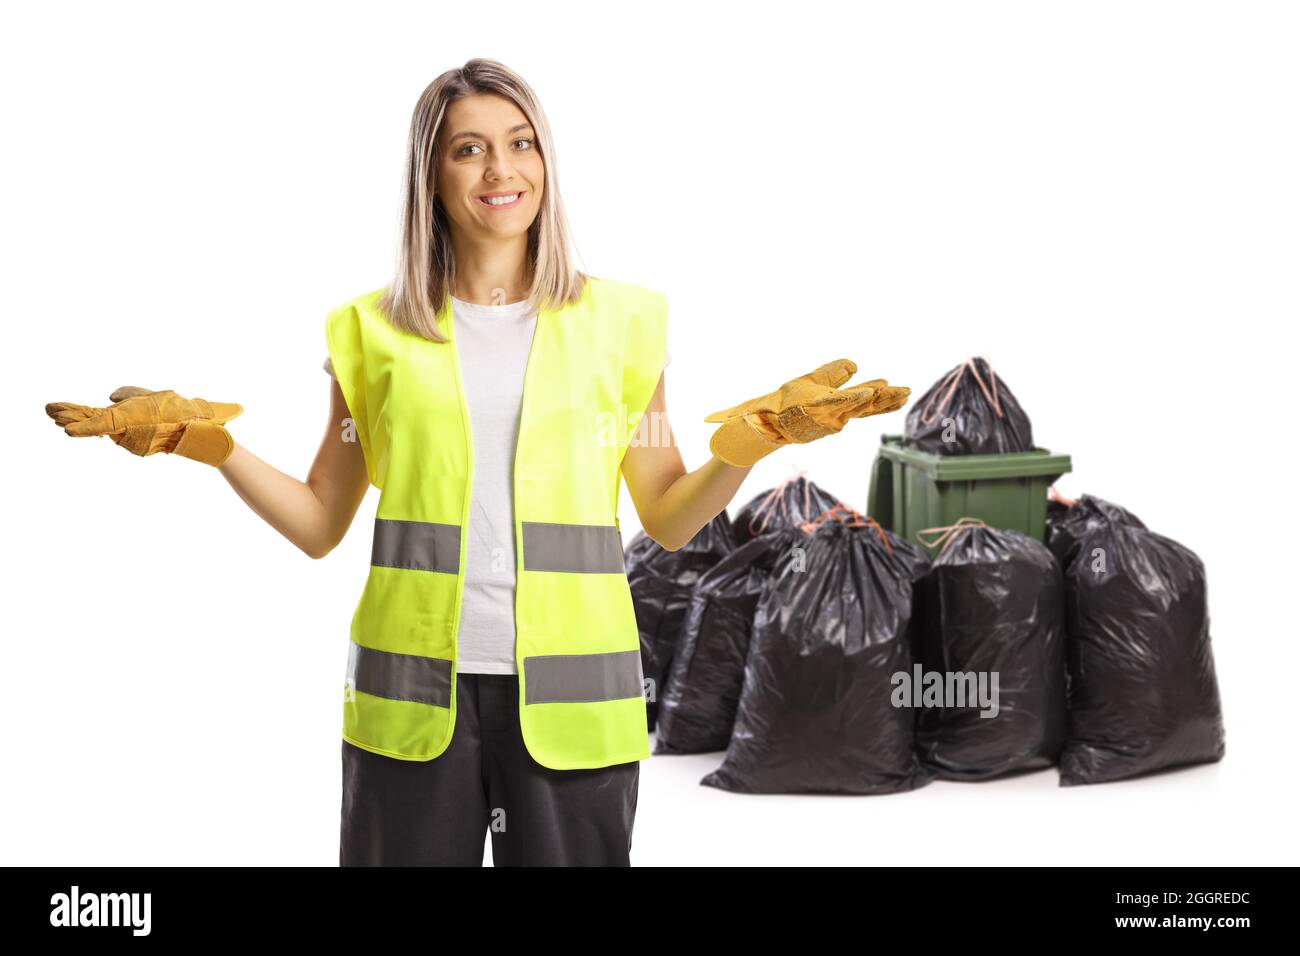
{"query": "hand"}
(145, 422)
(804, 409)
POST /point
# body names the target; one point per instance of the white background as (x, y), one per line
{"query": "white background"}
(1102, 198)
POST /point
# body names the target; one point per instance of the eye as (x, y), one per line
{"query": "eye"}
(463, 151)
(524, 139)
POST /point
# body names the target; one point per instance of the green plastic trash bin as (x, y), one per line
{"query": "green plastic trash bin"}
(911, 490)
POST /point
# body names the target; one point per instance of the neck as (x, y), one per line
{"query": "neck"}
(492, 273)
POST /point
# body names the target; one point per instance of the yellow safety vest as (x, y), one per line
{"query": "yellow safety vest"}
(592, 370)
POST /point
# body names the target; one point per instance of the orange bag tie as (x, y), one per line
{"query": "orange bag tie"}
(948, 533)
(765, 506)
(847, 516)
(1054, 495)
(953, 378)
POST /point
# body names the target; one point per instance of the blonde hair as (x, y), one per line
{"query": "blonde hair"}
(426, 267)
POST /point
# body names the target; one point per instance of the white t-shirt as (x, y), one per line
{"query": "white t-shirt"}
(492, 342)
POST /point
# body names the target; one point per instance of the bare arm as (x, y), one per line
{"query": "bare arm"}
(314, 514)
(672, 503)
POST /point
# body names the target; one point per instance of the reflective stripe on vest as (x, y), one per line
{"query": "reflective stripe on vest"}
(582, 678)
(548, 546)
(553, 679)
(421, 680)
(416, 546)
(580, 548)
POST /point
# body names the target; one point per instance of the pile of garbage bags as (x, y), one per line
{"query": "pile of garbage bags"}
(825, 654)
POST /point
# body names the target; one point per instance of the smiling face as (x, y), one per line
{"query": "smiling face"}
(490, 170)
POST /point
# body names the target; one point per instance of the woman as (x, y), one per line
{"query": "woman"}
(497, 397)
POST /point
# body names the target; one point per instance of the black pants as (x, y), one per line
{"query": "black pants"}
(434, 813)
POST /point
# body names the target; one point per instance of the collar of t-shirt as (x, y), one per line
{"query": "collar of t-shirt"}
(473, 308)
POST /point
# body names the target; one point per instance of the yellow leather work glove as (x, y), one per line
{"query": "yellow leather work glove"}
(804, 409)
(144, 422)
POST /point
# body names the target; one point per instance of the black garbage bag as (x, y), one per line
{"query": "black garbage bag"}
(699, 699)
(661, 582)
(1057, 509)
(970, 411)
(992, 608)
(1143, 694)
(787, 505)
(830, 631)
(1066, 522)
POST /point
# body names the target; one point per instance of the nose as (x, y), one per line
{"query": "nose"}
(498, 168)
